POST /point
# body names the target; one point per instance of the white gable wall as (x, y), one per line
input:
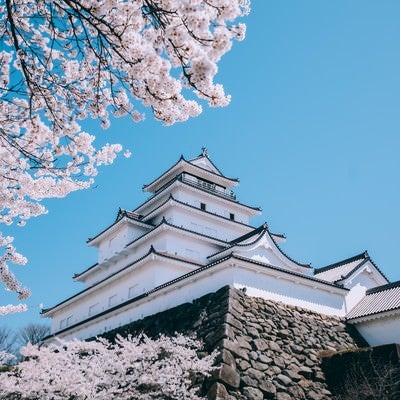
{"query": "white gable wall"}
(205, 163)
(262, 254)
(381, 330)
(360, 281)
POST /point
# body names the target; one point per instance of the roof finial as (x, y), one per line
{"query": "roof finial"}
(204, 152)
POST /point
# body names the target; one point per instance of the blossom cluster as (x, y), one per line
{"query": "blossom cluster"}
(62, 62)
(5, 357)
(130, 368)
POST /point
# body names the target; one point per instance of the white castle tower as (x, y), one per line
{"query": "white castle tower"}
(191, 237)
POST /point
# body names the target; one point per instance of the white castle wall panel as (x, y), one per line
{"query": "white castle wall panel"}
(381, 330)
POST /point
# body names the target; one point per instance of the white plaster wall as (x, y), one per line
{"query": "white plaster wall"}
(356, 294)
(214, 204)
(262, 254)
(79, 309)
(358, 284)
(191, 248)
(160, 301)
(126, 256)
(365, 278)
(258, 284)
(205, 224)
(268, 286)
(115, 241)
(175, 243)
(141, 279)
(381, 330)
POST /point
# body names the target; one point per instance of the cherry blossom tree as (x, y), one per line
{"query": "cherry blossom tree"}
(63, 61)
(130, 368)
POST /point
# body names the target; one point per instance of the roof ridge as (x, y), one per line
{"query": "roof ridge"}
(182, 158)
(288, 257)
(342, 262)
(382, 288)
(120, 215)
(364, 261)
(204, 154)
(248, 235)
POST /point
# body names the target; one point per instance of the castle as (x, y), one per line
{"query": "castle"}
(192, 237)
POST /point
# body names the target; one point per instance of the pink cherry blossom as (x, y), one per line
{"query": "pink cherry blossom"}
(63, 61)
(131, 368)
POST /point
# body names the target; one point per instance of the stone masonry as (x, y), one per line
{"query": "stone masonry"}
(268, 350)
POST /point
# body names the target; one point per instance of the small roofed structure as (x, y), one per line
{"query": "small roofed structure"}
(377, 315)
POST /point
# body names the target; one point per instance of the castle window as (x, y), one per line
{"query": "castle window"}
(93, 309)
(112, 300)
(133, 291)
(69, 320)
(63, 323)
(232, 216)
(203, 206)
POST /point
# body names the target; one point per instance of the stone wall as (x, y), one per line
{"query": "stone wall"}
(275, 350)
(268, 350)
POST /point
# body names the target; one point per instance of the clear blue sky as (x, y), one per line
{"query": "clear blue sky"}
(312, 132)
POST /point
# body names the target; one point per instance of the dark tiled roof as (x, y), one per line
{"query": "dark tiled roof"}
(377, 300)
(193, 165)
(346, 268)
(121, 214)
(86, 270)
(246, 236)
(177, 178)
(129, 214)
(360, 256)
(381, 288)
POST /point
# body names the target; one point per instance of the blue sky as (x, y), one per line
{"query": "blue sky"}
(312, 132)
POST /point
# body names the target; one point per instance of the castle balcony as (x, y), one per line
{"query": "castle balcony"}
(207, 186)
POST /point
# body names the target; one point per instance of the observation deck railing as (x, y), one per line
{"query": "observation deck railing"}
(207, 186)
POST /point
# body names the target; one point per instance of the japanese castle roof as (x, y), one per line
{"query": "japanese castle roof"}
(342, 270)
(200, 166)
(252, 238)
(178, 179)
(378, 300)
(158, 229)
(122, 215)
